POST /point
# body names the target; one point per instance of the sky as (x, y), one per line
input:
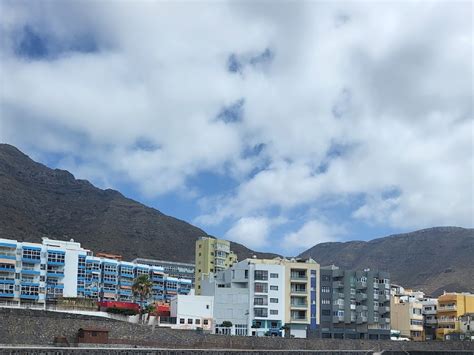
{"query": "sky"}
(276, 124)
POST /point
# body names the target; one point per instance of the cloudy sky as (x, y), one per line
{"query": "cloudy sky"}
(276, 124)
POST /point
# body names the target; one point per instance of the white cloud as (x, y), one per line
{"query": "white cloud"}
(311, 233)
(397, 75)
(250, 231)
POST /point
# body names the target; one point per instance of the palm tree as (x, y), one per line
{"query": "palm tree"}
(142, 288)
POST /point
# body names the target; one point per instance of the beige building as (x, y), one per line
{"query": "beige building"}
(212, 255)
(302, 296)
(407, 316)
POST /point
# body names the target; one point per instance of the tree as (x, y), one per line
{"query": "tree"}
(226, 324)
(142, 289)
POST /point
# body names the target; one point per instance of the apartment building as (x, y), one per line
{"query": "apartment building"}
(171, 268)
(34, 273)
(212, 255)
(407, 316)
(260, 296)
(451, 307)
(354, 304)
(37, 273)
(430, 320)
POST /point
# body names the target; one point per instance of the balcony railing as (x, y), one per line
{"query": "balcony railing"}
(447, 320)
(299, 304)
(338, 284)
(298, 277)
(384, 309)
(361, 285)
(337, 319)
(298, 291)
(298, 318)
(447, 308)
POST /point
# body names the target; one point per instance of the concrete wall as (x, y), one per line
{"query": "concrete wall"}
(19, 326)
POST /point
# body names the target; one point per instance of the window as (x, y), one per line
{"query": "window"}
(260, 312)
(32, 254)
(207, 306)
(197, 321)
(190, 321)
(274, 312)
(325, 301)
(181, 321)
(273, 288)
(55, 257)
(325, 289)
(274, 276)
(246, 274)
(273, 300)
(261, 275)
(326, 312)
(261, 287)
(205, 322)
(94, 334)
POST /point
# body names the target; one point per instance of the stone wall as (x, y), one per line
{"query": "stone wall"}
(37, 327)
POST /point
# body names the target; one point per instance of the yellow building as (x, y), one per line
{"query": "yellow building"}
(302, 296)
(451, 306)
(212, 255)
(406, 316)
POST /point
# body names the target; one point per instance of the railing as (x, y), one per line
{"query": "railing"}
(447, 308)
(299, 304)
(300, 291)
(338, 284)
(337, 319)
(361, 284)
(298, 277)
(298, 318)
(447, 320)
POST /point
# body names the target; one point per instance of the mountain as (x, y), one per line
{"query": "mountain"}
(36, 201)
(431, 260)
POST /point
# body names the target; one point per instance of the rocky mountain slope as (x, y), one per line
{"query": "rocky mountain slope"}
(433, 260)
(36, 201)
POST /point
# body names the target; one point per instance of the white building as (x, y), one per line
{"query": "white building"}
(192, 312)
(260, 296)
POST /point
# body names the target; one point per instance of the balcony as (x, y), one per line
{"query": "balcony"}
(7, 280)
(29, 297)
(7, 255)
(360, 285)
(444, 320)
(385, 320)
(55, 274)
(361, 296)
(298, 276)
(337, 319)
(31, 260)
(299, 305)
(361, 308)
(361, 319)
(7, 294)
(338, 284)
(30, 272)
(337, 273)
(298, 318)
(301, 291)
(337, 295)
(384, 309)
(447, 308)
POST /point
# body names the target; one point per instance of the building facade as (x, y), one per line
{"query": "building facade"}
(36, 273)
(192, 312)
(171, 268)
(263, 296)
(212, 255)
(354, 304)
(451, 307)
(407, 316)
(430, 319)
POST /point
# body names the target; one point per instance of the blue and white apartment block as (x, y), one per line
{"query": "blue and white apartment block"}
(34, 273)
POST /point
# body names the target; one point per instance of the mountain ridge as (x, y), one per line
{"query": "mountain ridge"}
(431, 259)
(37, 201)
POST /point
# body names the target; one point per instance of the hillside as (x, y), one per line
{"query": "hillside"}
(433, 260)
(36, 201)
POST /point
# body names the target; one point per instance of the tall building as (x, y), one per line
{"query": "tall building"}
(260, 296)
(354, 304)
(172, 268)
(407, 316)
(430, 320)
(451, 307)
(36, 273)
(212, 255)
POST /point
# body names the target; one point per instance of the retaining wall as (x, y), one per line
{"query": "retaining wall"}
(37, 327)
